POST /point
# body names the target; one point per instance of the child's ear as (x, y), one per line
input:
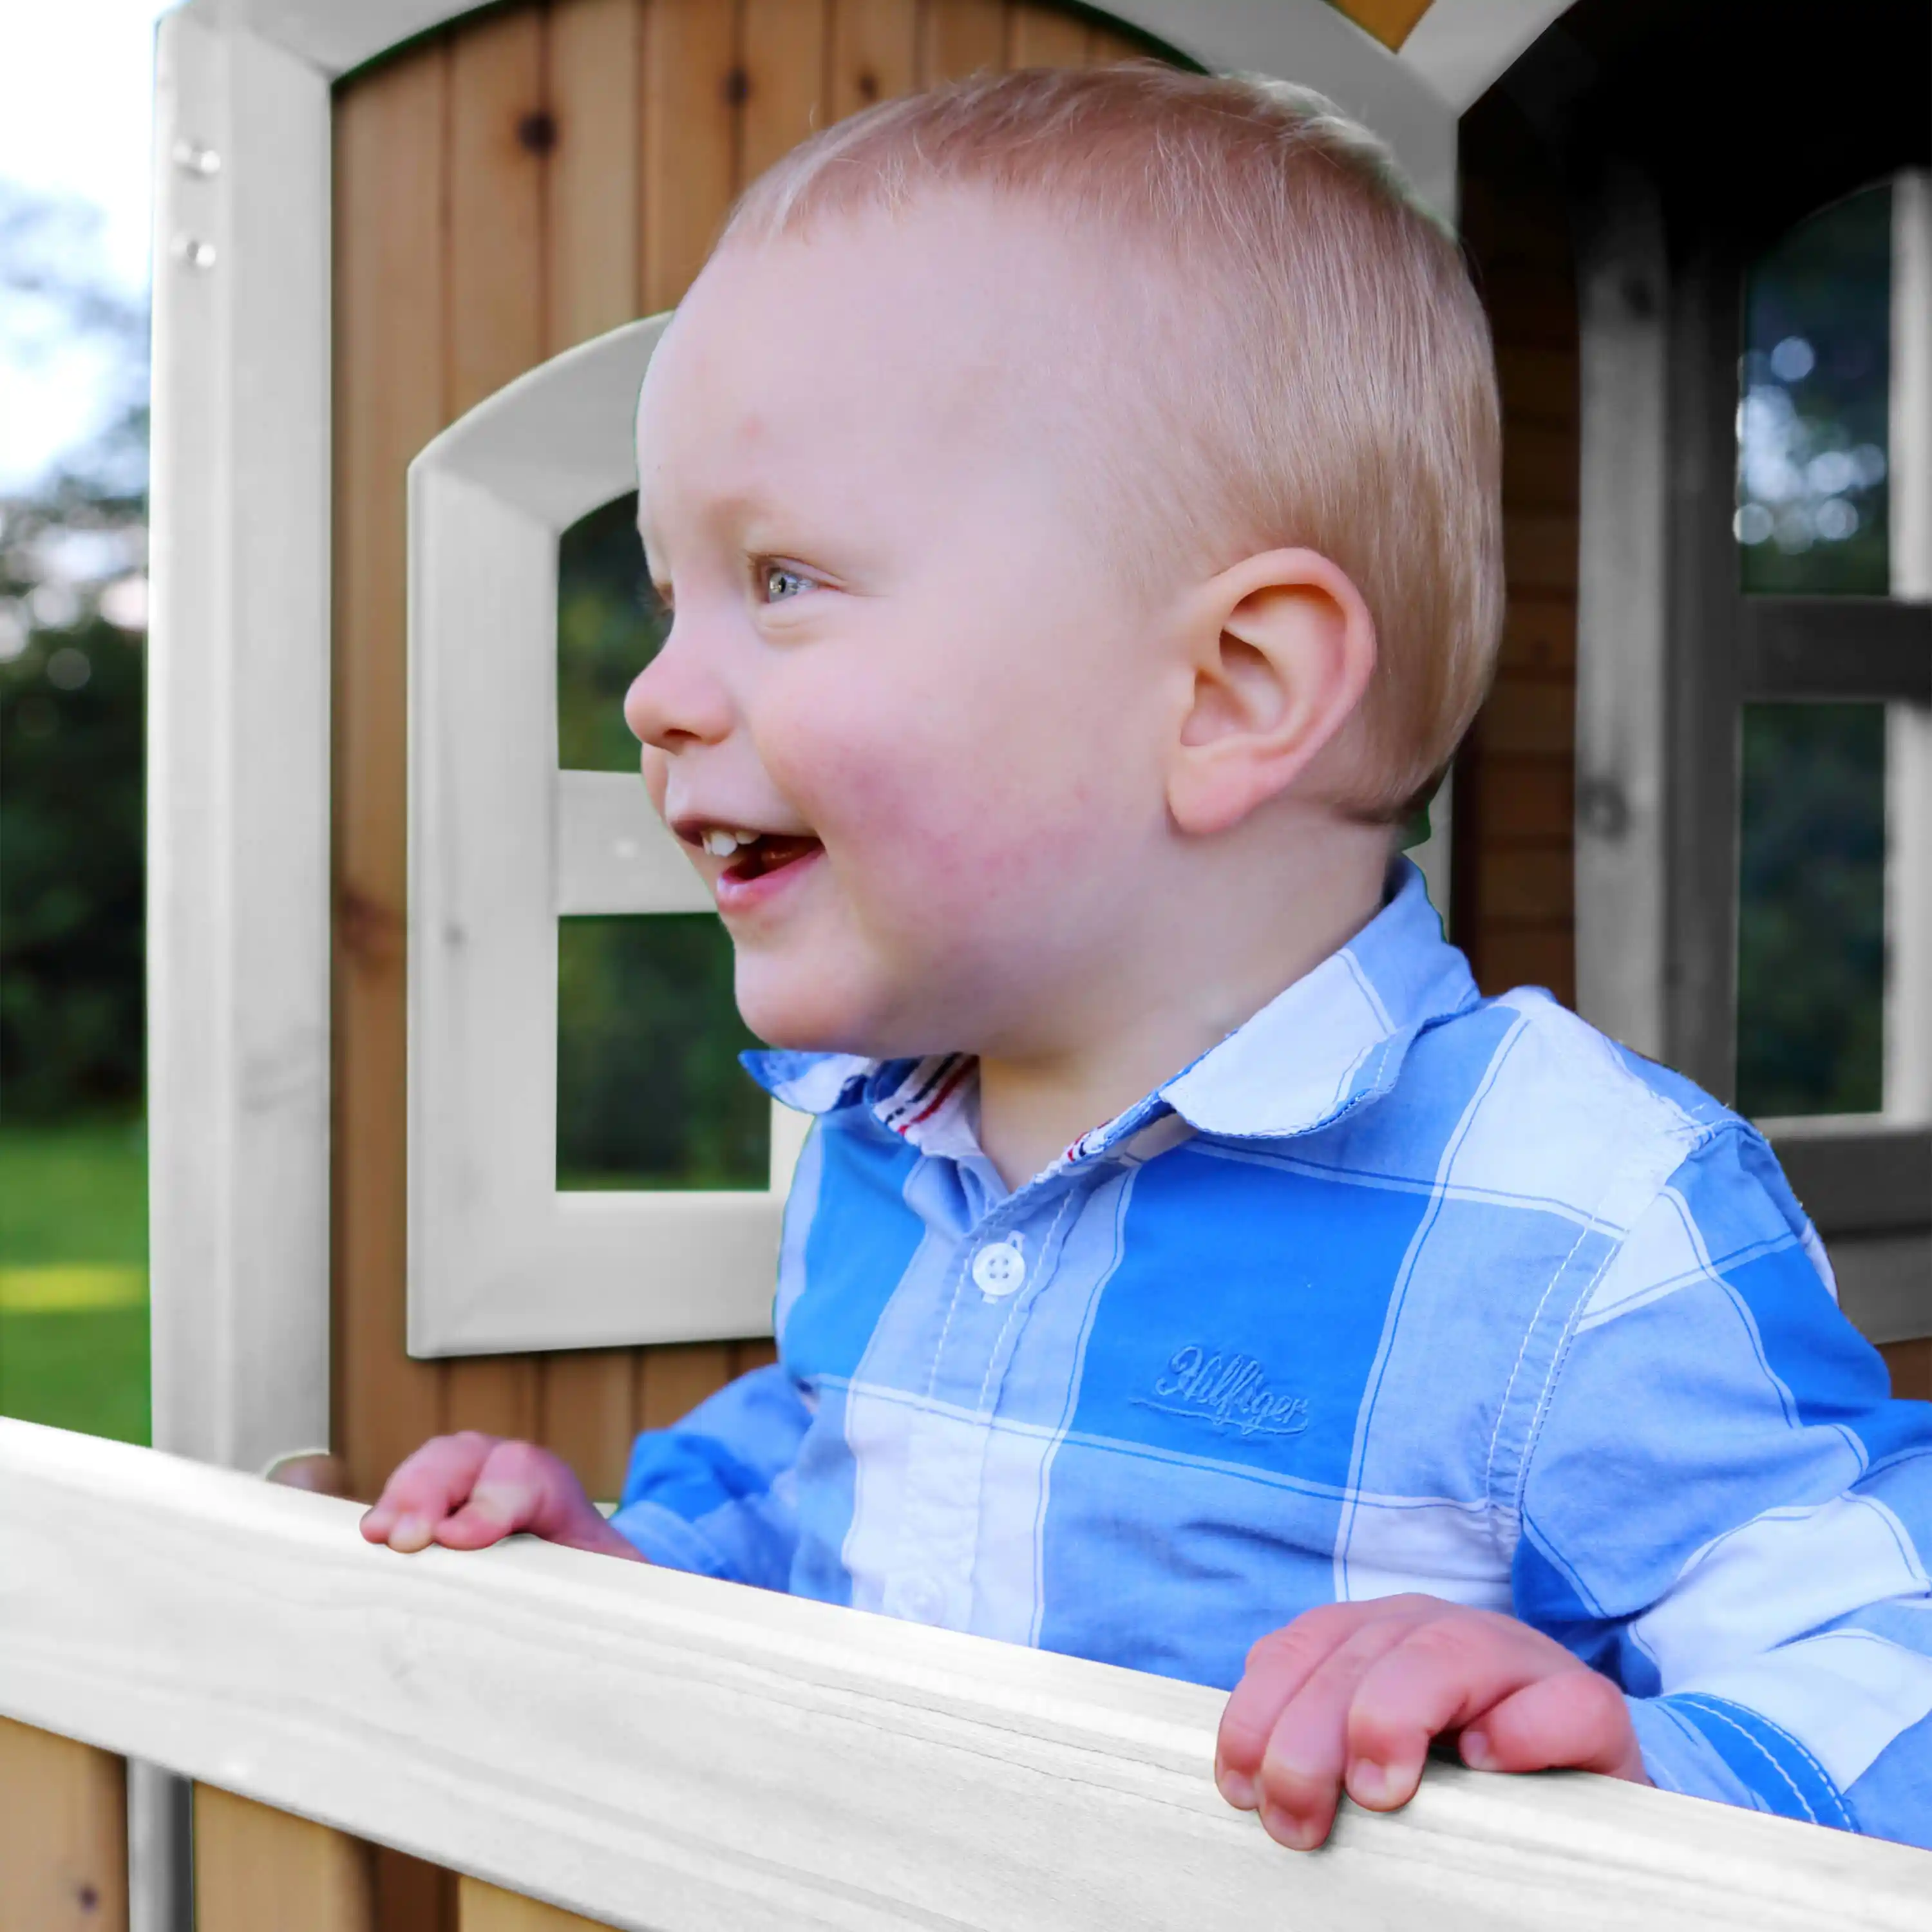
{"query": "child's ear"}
(1280, 648)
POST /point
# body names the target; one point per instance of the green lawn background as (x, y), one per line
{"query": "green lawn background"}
(75, 1194)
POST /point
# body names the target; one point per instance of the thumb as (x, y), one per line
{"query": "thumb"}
(1577, 1720)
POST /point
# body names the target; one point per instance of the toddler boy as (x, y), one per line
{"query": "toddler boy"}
(1077, 496)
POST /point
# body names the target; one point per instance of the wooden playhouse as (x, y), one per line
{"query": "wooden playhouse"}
(403, 250)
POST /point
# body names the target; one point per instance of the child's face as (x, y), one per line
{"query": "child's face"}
(898, 645)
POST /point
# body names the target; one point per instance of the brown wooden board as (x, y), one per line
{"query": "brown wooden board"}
(486, 1908)
(63, 1834)
(391, 297)
(1514, 838)
(874, 52)
(255, 1866)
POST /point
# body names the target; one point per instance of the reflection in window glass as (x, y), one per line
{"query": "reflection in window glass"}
(1811, 911)
(610, 623)
(1811, 429)
(649, 1092)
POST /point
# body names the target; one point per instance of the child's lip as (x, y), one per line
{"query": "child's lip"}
(737, 895)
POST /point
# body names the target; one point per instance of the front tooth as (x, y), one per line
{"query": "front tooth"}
(719, 843)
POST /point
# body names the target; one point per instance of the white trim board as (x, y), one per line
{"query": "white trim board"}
(501, 843)
(660, 1750)
(238, 776)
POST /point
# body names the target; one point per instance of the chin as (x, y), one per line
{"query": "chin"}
(809, 1013)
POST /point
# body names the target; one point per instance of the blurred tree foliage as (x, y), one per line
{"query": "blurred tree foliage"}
(1811, 910)
(70, 694)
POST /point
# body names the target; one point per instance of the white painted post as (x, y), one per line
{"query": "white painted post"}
(1908, 872)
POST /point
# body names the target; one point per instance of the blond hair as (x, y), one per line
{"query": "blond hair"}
(1337, 390)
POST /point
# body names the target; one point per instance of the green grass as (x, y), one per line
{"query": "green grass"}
(75, 1193)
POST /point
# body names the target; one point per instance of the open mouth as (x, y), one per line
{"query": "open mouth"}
(753, 854)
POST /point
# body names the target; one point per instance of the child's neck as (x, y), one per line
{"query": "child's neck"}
(1184, 987)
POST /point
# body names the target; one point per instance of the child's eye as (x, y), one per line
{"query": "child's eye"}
(780, 584)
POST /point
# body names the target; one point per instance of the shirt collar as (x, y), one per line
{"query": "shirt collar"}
(1332, 1042)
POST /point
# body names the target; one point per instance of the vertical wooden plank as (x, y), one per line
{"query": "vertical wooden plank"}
(962, 36)
(758, 1351)
(1106, 47)
(673, 1380)
(592, 223)
(63, 1834)
(1514, 831)
(1911, 1366)
(874, 52)
(484, 1908)
(501, 133)
(389, 387)
(587, 1413)
(1039, 36)
(692, 90)
(410, 1893)
(255, 1867)
(784, 60)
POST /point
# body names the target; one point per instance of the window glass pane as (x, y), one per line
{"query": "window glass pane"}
(610, 623)
(1811, 428)
(1811, 911)
(649, 1092)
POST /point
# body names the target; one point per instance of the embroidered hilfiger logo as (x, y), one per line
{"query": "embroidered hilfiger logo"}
(1225, 1392)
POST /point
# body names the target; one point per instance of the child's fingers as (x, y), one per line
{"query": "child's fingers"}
(425, 1487)
(1448, 1673)
(1278, 1666)
(520, 1486)
(1299, 1783)
(1579, 1720)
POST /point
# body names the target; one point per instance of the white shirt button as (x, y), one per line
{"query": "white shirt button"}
(999, 1267)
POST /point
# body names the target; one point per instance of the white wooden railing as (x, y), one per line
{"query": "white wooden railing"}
(654, 1750)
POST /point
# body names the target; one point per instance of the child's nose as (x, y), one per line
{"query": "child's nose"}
(675, 701)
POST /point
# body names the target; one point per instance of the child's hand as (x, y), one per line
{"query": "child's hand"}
(1361, 1688)
(470, 1490)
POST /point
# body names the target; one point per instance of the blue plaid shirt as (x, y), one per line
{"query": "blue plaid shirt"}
(1396, 1289)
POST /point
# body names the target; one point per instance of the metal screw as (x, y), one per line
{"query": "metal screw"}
(193, 158)
(193, 250)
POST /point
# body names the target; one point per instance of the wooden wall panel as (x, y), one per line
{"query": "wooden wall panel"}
(485, 1908)
(255, 1866)
(784, 57)
(389, 401)
(1043, 37)
(592, 223)
(874, 52)
(961, 38)
(692, 90)
(1514, 856)
(63, 1834)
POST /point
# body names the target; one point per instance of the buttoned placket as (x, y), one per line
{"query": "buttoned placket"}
(1004, 1260)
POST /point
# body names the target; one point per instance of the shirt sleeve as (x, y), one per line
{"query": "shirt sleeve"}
(1724, 1511)
(714, 1493)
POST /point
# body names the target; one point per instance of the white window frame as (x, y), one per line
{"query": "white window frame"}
(501, 845)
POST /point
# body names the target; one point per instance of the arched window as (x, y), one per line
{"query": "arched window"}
(587, 1163)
